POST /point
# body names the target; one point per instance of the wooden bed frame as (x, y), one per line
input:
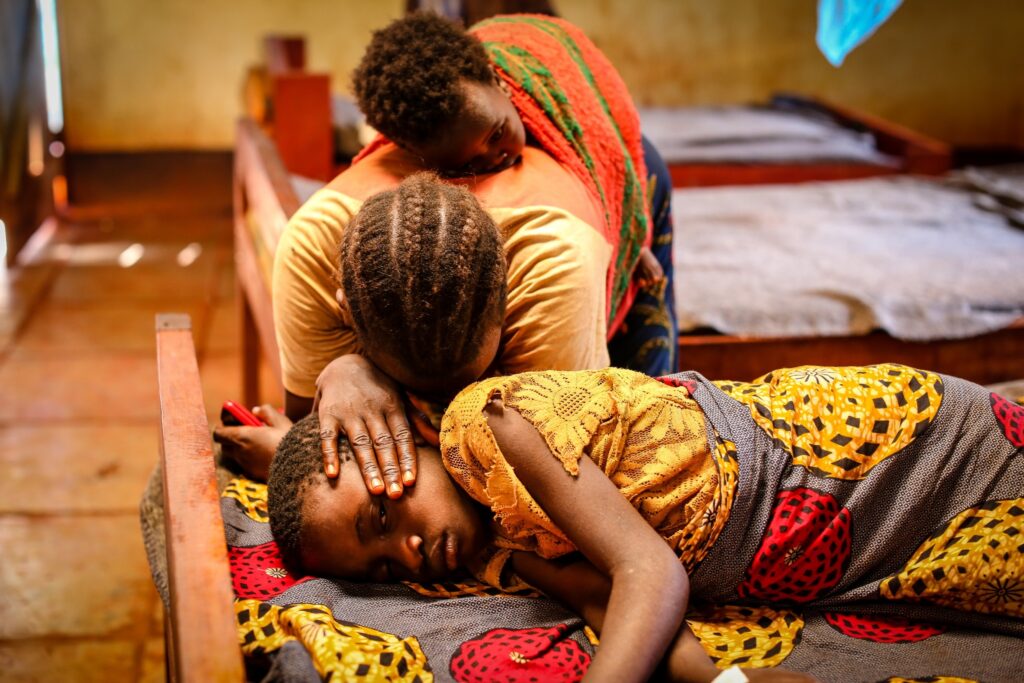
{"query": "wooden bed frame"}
(986, 359)
(293, 106)
(262, 193)
(201, 641)
(917, 153)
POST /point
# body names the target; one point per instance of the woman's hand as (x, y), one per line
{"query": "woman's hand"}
(648, 270)
(253, 447)
(356, 399)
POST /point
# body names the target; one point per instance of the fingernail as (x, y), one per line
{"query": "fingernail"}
(407, 477)
(331, 471)
(394, 487)
(376, 483)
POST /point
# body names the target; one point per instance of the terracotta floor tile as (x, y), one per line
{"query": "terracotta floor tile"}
(153, 663)
(110, 284)
(84, 385)
(96, 326)
(75, 467)
(73, 576)
(224, 333)
(20, 291)
(85, 661)
(222, 380)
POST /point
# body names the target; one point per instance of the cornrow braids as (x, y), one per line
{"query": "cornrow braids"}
(408, 82)
(296, 466)
(423, 271)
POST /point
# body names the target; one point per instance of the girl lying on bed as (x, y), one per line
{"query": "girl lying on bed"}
(628, 498)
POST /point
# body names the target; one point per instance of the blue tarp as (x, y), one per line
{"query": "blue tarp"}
(845, 24)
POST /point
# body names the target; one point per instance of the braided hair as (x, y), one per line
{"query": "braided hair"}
(423, 271)
(296, 466)
(408, 83)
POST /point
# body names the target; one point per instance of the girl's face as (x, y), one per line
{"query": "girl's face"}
(487, 138)
(430, 532)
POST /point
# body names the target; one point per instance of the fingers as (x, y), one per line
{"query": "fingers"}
(386, 455)
(229, 435)
(329, 444)
(362, 446)
(271, 416)
(400, 430)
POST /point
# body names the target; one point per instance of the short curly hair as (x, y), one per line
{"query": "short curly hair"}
(407, 83)
(296, 466)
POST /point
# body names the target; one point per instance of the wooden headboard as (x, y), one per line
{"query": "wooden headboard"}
(202, 644)
(913, 151)
(293, 106)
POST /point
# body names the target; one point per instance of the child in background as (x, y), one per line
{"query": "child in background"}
(466, 102)
(624, 496)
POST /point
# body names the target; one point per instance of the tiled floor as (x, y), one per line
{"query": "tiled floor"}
(78, 410)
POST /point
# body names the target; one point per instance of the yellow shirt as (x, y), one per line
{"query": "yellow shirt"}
(557, 268)
(649, 438)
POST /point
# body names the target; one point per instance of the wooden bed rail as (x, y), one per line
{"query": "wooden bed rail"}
(987, 358)
(263, 196)
(917, 152)
(202, 642)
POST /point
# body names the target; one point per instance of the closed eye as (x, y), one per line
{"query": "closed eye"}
(498, 134)
(382, 517)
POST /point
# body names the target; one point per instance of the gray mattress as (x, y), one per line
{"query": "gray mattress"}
(755, 135)
(919, 258)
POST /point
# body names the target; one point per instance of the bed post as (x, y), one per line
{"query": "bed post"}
(202, 639)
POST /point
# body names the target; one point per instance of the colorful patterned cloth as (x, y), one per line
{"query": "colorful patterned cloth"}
(873, 532)
(574, 103)
(886, 500)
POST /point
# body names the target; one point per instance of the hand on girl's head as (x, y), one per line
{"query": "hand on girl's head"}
(355, 399)
(430, 532)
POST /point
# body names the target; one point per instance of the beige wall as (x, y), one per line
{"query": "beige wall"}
(951, 68)
(145, 74)
(167, 73)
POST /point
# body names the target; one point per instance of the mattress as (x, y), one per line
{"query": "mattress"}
(920, 258)
(756, 135)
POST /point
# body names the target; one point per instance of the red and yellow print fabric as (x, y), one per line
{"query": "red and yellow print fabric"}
(841, 422)
(753, 637)
(340, 652)
(975, 562)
